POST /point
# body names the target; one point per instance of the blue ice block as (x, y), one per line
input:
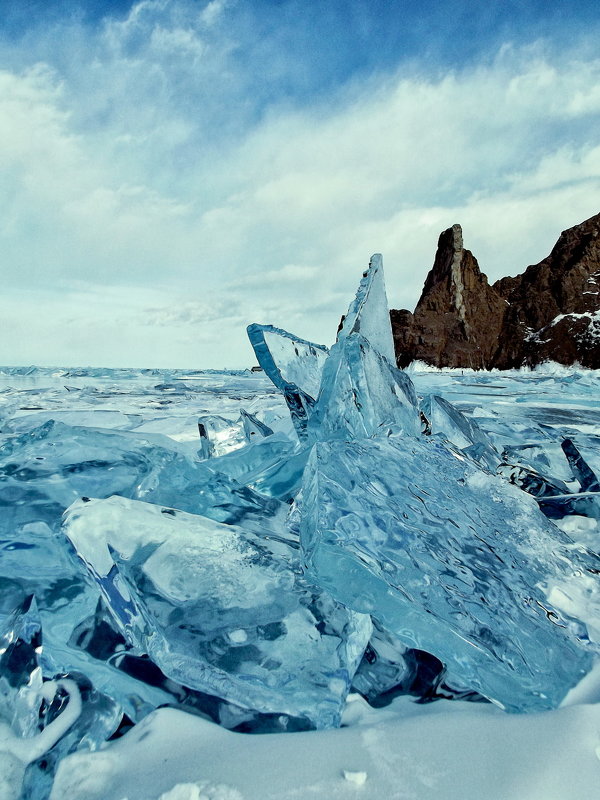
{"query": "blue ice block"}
(220, 609)
(452, 560)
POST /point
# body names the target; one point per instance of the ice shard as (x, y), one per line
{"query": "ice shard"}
(369, 313)
(288, 360)
(271, 465)
(362, 392)
(294, 365)
(253, 427)
(219, 435)
(220, 609)
(531, 481)
(582, 471)
(446, 420)
(450, 559)
(361, 388)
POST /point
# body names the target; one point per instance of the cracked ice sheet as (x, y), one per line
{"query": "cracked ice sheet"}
(453, 561)
(452, 751)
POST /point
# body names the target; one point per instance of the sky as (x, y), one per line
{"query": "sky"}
(173, 170)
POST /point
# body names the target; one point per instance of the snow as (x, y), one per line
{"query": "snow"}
(408, 752)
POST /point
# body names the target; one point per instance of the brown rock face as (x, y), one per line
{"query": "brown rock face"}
(551, 311)
(457, 320)
(552, 305)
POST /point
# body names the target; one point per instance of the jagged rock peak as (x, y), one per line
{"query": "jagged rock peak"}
(454, 322)
(455, 232)
(552, 310)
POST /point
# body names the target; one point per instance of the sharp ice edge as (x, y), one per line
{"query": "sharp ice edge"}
(294, 365)
(369, 314)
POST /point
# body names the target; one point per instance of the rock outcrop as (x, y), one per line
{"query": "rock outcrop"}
(550, 311)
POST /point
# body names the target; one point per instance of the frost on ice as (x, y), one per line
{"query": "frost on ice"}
(252, 551)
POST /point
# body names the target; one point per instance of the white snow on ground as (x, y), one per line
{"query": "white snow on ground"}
(443, 751)
(547, 368)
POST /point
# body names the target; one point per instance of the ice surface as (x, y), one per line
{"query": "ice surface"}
(72, 432)
(450, 559)
(220, 609)
(458, 752)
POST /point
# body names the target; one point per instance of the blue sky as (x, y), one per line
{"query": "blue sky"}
(172, 170)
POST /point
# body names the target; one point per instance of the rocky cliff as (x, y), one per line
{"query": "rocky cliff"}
(550, 311)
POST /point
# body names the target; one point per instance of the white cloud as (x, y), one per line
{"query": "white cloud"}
(142, 168)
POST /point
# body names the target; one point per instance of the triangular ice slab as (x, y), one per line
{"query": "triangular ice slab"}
(220, 609)
(361, 391)
(452, 560)
(369, 313)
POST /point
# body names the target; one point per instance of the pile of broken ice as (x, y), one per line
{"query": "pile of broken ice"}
(375, 542)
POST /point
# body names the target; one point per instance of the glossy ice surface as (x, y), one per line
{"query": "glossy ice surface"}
(448, 558)
(221, 609)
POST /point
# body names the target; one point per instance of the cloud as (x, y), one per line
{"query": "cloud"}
(160, 189)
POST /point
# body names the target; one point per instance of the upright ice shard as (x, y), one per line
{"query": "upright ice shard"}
(294, 365)
(220, 609)
(288, 359)
(361, 388)
(361, 392)
(450, 559)
(369, 312)
(446, 420)
(581, 470)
